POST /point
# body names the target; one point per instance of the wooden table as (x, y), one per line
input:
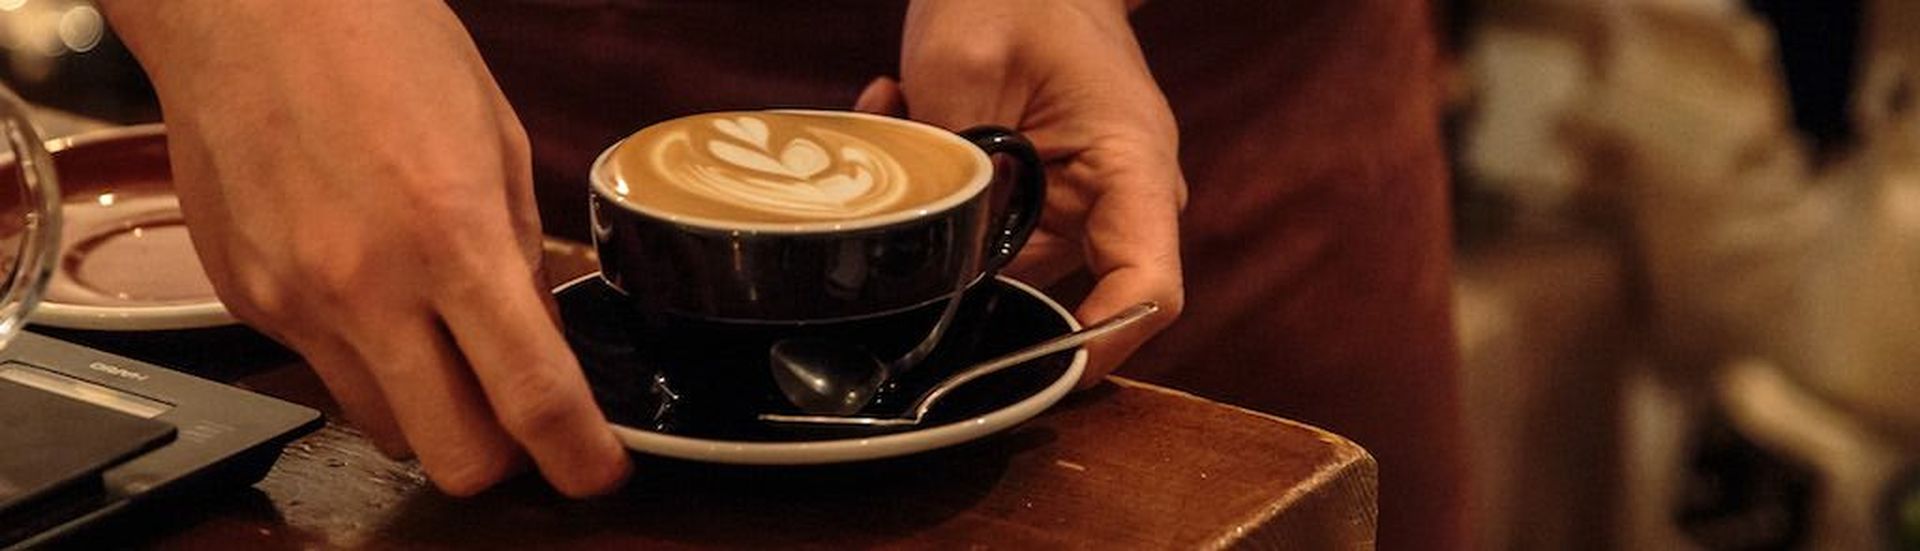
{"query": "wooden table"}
(1124, 465)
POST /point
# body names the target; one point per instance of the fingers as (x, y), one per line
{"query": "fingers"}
(882, 97)
(535, 386)
(1133, 249)
(436, 402)
(359, 395)
(1116, 292)
(1046, 259)
(1057, 249)
(1143, 266)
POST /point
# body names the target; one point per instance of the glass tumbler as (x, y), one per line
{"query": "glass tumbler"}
(29, 216)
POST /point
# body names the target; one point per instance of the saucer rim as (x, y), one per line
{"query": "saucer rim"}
(817, 452)
(200, 314)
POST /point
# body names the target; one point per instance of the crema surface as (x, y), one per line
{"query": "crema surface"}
(789, 167)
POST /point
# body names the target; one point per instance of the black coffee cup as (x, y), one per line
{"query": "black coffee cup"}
(878, 282)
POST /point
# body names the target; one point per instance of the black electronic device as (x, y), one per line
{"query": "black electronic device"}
(85, 434)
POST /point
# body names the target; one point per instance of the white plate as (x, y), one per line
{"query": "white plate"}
(144, 318)
(125, 262)
(808, 452)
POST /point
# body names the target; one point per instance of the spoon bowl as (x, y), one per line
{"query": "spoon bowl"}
(826, 377)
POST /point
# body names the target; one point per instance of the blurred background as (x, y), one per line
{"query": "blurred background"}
(1688, 288)
(60, 54)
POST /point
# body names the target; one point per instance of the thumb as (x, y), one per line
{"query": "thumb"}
(882, 97)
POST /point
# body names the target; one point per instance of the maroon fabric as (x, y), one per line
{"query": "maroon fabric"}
(1316, 240)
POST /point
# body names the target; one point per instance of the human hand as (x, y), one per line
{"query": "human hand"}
(359, 190)
(1069, 75)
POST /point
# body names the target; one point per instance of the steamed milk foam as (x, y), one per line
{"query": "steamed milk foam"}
(789, 167)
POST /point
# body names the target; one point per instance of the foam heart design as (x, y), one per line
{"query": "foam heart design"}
(747, 129)
(801, 159)
(807, 172)
(746, 158)
(841, 188)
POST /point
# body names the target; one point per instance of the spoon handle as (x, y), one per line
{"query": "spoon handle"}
(1116, 322)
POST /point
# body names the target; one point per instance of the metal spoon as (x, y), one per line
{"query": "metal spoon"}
(918, 412)
(827, 377)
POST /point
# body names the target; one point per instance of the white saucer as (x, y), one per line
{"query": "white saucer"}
(808, 451)
(143, 318)
(125, 263)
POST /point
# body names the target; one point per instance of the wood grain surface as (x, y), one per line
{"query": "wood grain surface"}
(1123, 465)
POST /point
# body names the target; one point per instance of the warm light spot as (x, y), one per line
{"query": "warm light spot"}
(10, 5)
(81, 28)
(106, 199)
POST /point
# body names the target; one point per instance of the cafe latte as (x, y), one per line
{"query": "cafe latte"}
(789, 167)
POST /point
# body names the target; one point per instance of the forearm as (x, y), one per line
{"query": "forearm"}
(236, 65)
(181, 43)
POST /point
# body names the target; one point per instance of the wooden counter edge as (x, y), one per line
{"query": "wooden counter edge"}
(1296, 519)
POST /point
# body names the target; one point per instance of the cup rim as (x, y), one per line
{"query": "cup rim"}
(600, 182)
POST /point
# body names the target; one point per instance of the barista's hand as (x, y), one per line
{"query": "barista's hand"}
(359, 190)
(1069, 75)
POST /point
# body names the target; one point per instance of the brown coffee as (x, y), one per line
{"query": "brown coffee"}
(783, 167)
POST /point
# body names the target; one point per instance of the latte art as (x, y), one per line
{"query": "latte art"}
(814, 173)
(791, 167)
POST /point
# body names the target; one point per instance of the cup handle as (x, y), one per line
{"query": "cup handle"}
(1029, 193)
(39, 233)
